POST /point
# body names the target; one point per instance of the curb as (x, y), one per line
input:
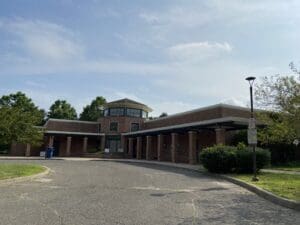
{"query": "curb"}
(25, 178)
(257, 190)
(263, 193)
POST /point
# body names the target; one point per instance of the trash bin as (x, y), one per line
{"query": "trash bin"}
(49, 153)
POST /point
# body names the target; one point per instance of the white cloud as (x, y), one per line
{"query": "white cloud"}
(41, 40)
(235, 101)
(194, 51)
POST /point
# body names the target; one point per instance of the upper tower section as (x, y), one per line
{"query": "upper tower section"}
(126, 108)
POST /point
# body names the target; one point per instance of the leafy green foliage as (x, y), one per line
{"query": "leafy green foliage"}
(224, 159)
(18, 126)
(244, 159)
(18, 119)
(280, 95)
(164, 114)
(24, 104)
(218, 159)
(61, 109)
(93, 111)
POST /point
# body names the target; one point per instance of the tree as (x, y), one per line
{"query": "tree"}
(18, 119)
(24, 104)
(164, 114)
(280, 95)
(294, 69)
(93, 111)
(61, 109)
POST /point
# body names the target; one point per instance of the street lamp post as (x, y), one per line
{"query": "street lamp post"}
(252, 136)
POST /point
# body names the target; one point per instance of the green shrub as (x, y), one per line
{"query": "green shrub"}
(218, 159)
(244, 160)
(224, 159)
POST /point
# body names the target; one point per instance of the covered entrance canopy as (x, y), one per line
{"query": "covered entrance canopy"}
(181, 142)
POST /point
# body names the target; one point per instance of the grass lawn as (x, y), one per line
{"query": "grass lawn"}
(284, 185)
(19, 170)
(291, 166)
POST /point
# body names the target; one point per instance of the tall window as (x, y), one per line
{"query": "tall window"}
(133, 112)
(144, 114)
(114, 126)
(135, 127)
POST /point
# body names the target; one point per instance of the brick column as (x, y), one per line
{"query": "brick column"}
(148, 148)
(139, 147)
(192, 147)
(174, 143)
(85, 143)
(220, 136)
(124, 143)
(160, 143)
(27, 152)
(102, 143)
(68, 148)
(130, 145)
(51, 140)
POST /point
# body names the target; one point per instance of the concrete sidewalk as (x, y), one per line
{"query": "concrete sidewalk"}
(281, 171)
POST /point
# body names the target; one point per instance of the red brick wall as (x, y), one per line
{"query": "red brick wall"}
(72, 126)
(18, 149)
(124, 124)
(195, 116)
(235, 112)
(185, 118)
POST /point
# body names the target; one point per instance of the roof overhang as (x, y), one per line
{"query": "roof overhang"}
(57, 132)
(229, 123)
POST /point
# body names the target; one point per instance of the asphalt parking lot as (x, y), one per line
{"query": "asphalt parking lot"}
(103, 192)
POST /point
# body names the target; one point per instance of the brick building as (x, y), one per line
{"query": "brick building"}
(126, 131)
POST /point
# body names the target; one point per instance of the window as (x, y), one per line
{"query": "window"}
(135, 127)
(116, 112)
(144, 114)
(114, 126)
(133, 112)
(106, 112)
(99, 128)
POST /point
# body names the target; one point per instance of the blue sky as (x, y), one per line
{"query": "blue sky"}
(173, 55)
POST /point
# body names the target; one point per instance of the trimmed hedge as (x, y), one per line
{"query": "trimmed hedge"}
(225, 159)
(244, 159)
(219, 159)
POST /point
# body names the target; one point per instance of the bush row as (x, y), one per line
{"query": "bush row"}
(225, 159)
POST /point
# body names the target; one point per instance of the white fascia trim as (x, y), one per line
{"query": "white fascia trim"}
(70, 121)
(239, 120)
(74, 133)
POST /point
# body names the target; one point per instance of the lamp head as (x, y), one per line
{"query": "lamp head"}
(250, 80)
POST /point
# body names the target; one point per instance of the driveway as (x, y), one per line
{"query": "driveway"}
(105, 192)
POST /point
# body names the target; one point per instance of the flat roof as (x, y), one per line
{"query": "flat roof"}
(70, 121)
(235, 120)
(222, 105)
(73, 133)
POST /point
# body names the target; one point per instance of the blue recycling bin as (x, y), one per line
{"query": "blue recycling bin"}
(49, 153)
